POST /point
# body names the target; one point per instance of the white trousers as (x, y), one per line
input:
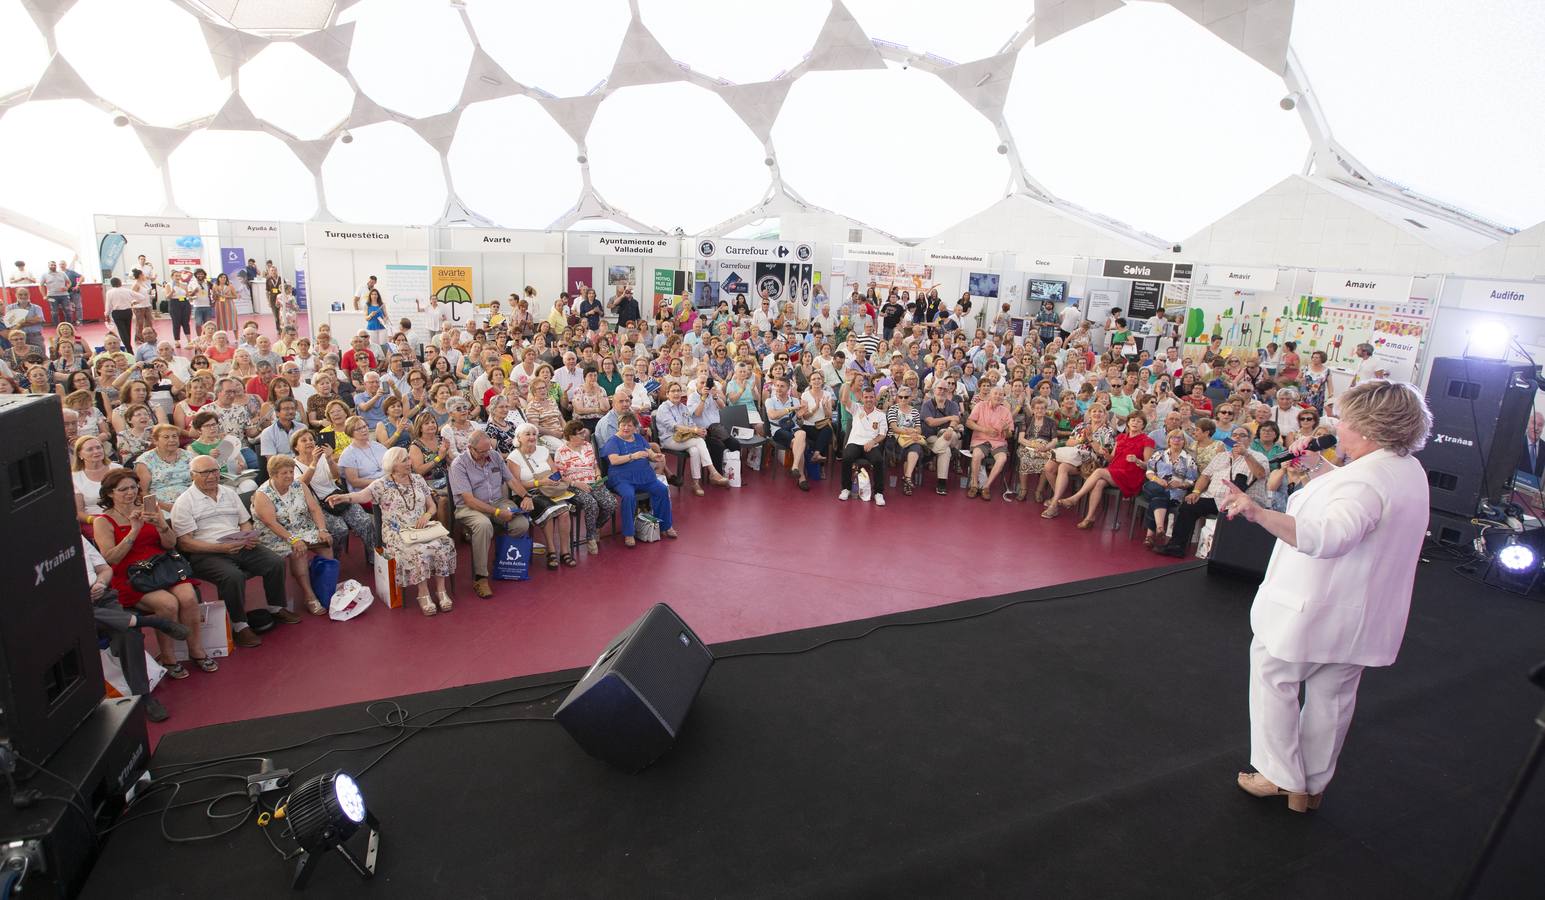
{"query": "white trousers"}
(1296, 746)
(697, 454)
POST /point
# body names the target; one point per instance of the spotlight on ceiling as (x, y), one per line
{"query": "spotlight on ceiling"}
(323, 813)
(582, 159)
(767, 161)
(120, 119)
(1288, 102)
(347, 138)
(1003, 149)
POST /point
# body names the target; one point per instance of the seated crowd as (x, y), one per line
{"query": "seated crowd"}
(250, 452)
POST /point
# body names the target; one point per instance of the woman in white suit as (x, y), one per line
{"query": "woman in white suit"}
(1338, 590)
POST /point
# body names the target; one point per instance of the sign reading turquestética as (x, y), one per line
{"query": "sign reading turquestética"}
(1363, 286)
(365, 237)
(1138, 270)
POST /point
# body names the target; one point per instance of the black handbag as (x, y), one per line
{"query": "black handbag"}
(159, 572)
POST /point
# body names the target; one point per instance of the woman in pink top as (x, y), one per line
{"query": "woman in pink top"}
(575, 461)
(990, 423)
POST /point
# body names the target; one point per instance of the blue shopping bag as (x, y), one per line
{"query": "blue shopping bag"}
(512, 558)
(324, 577)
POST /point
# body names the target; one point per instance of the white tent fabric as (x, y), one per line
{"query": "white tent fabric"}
(1152, 120)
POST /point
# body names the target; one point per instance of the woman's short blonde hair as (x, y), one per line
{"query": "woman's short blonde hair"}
(352, 423)
(1392, 414)
(278, 463)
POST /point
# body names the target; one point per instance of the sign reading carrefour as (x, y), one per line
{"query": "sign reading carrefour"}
(766, 251)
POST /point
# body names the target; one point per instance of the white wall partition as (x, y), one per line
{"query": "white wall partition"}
(339, 259)
(504, 262)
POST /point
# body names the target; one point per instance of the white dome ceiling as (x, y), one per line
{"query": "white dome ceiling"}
(906, 115)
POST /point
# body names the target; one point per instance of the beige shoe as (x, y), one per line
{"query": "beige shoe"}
(593, 546)
(1257, 785)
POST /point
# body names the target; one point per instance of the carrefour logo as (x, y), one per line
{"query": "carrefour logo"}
(706, 248)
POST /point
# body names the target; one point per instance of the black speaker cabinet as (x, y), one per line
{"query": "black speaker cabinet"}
(1240, 548)
(628, 709)
(50, 673)
(1479, 412)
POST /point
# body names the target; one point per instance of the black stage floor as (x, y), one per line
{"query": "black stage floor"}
(1081, 746)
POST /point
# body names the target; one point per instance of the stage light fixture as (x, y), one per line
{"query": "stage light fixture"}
(1488, 340)
(347, 138)
(1516, 557)
(323, 813)
(1289, 102)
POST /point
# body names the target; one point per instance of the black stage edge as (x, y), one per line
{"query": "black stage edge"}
(1082, 746)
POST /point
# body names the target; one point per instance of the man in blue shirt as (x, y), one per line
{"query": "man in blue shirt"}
(482, 485)
(33, 323)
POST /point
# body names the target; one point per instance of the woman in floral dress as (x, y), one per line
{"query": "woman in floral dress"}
(406, 501)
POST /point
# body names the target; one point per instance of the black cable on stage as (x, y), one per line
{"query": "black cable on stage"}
(1176, 570)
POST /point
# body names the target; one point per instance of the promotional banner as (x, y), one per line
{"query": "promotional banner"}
(633, 245)
(187, 250)
(732, 278)
(300, 278)
(773, 278)
(1225, 313)
(448, 284)
(1518, 298)
(579, 278)
(1177, 295)
(913, 277)
(1397, 341)
(1362, 286)
(1144, 303)
(232, 260)
(1100, 304)
(801, 283)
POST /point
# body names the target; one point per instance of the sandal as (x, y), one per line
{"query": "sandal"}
(427, 605)
(1051, 512)
(1085, 525)
(593, 546)
(906, 486)
(445, 602)
(971, 490)
(671, 533)
(315, 607)
(175, 670)
(206, 664)
(569, 560)
(804, 483)
(628, 541)
(552, 561)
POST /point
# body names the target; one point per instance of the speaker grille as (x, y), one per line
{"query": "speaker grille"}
(660, 656)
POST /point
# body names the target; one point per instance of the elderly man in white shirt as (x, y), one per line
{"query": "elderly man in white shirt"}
(1337, 591)
(214, 530)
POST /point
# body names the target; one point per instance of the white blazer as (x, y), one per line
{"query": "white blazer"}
(1343, 595)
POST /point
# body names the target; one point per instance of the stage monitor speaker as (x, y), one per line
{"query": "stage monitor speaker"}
(1241, 549)
(50, 672)
(1479, 412)
(629, 707)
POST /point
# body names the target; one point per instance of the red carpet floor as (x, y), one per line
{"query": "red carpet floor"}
(755, 560)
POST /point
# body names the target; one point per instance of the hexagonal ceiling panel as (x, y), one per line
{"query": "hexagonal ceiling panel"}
(1166, 146)
(512, 163)
(143, 82)
(675, 155)
(852, 142)
(100, 169)
(409, 55)
(241, 175)
(387, 174)
(536, 44)
(26, 53)
(271, 16)
(1450, 100)
(281, 73)
(718, 39)
(958, 30)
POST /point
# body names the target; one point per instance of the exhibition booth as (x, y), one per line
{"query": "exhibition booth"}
(214, 245)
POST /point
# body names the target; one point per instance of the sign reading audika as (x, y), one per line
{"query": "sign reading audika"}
(1140, 270)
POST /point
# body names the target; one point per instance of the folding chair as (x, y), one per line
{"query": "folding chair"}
(736, 416)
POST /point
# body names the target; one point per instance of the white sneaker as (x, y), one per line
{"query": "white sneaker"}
(879, 499)
(845, 494)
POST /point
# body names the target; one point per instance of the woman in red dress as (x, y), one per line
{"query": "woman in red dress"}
(129, 531)
(1126, 470)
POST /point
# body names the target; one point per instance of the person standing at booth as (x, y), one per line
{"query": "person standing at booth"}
(1337, 591)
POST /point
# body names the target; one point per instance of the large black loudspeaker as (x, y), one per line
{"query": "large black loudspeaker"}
(628, 709)
(1240, 548)
(1479, 411)
(50, 673)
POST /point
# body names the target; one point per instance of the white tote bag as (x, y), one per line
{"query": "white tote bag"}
(732, 467)
(349, 600)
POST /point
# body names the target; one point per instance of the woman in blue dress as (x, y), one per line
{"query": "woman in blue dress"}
(631, 472)
(375, 318)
